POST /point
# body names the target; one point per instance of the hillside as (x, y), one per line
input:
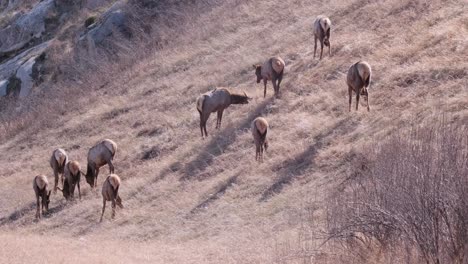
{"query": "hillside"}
(189, 200)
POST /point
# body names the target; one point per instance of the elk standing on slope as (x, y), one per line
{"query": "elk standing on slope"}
(322, 27)
(40, 184)
(110, 192)
(57, 161)
(259, 131)
(216, 101)
(72, 174)
(101, 154)
(358, 80)
(273, 70)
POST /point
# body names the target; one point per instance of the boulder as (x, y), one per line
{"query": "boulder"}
(114, 20)
(26, 27)
(3, 87)
(21, 68)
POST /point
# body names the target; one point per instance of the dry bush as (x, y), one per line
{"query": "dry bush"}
(413, 195)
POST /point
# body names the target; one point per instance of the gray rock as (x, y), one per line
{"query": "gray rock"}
(26, 27)
(24, 74)
(3, 87)
(115, 19)
(95, 4)
(21, 67)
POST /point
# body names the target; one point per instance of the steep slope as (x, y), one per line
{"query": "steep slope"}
(192, 200)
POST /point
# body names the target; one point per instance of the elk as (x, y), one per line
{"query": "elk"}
(216, 101)
(57, 161)
(101, 154)
(72, 174)
(273, 70)
(40, 184)
(322, 27)
(259, 131)
(110, 192)
(358, 80)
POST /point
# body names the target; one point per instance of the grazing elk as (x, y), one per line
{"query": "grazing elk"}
(110, 192)
(273, 70)
(358, 80)
(57, 161)
(101, 154)
(259, 131)
(40, 184)
(322, 27)
(72, 176)
(216, 101)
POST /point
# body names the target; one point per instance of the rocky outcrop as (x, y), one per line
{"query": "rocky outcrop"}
(114, 20)
(16, 74)
(26, 28)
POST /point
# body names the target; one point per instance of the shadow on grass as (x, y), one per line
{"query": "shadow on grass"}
(218, 193)
(219, 143)
(296, 166)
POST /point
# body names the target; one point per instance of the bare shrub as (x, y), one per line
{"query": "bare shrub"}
(413, 194)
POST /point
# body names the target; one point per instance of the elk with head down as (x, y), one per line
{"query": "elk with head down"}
(72, 174)
(101, 154)
(358, 80)
(110, 192)
(322, 27)
(273, 70)
(40, 185)
(57, 161)
(259, 131)
(216, 101)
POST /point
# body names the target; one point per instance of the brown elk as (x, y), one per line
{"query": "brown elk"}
(110, 192)
(322, 27)
(273, 70)
(40, 185)
(259, 131)
(101, 154)
(216, 101)
(57, 161)
(358, 80)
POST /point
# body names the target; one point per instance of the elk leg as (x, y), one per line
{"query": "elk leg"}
(264, 90)
(315, 46)
(38, 212)
(321, 48)
(329, 48)
(56, 177)
(220, 117)
(358, 94)
(280, 78)
(113, 208)
(350, 93)
(111, 166)
(367, 100)
(95, 177)
(103, 208)
(205, 119)
(79, 191)
(201, 124)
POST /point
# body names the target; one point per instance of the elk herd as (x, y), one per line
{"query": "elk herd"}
(70, 174)
(358, 81)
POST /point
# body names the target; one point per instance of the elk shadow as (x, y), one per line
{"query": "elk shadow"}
(220, 142)
(217, 194)
(296, 166)
(18, 214)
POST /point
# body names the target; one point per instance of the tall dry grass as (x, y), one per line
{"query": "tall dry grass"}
(410, 193)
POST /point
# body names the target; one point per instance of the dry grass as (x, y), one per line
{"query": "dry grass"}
(207, 201)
